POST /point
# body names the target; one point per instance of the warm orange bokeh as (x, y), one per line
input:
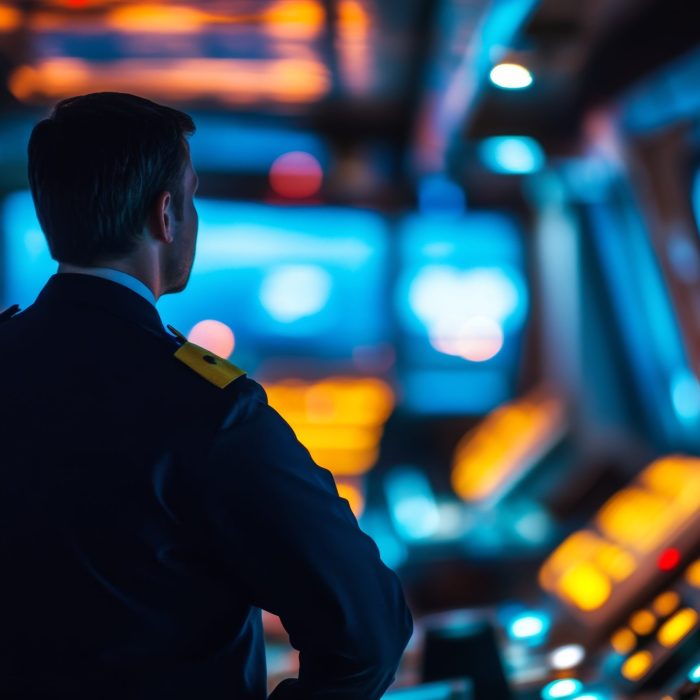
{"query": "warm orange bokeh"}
(233, 81)
(340, 419)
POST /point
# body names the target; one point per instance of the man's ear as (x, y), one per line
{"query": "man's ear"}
(160, 218)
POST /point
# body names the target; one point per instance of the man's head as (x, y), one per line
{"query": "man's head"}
(108, 170)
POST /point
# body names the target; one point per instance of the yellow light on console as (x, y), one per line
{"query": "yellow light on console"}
(585, 586)
(632, 516)
(637, 665)
(643, 622)
(506, 443)
(623, 641)
(617, 562)
(666, 603)
(640, 529)
(677, 628)
(692, 574)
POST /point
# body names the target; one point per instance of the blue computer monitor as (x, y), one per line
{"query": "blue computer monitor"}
(462, 302)
(286, 280)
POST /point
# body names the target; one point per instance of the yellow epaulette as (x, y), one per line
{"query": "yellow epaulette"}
(206, 364)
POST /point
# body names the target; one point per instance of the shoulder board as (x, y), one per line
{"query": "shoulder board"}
(8, 313)
(206, 364)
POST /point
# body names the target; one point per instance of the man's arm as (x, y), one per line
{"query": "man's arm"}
(277, 521)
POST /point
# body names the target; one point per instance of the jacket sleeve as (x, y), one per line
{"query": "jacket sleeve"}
(276, 519)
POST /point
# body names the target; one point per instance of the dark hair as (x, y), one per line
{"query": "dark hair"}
(96, 166)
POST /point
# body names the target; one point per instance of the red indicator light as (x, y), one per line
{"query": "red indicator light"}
(296, 175)
(669, 559)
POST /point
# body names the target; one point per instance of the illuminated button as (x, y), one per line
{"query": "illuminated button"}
(669, 559)
(568, 656)
(694, 674)
(564, 688)
(692, 574)
(666, 603)
(643, 622)
(585, 586)
(677, 627)
(637, 665)
(623, 641)
(510, 76)
(529, 626)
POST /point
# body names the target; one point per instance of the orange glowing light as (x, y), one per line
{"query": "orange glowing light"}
(636, 518)
(585, 586)
(639, 521)
(623, 641)
(213, 335)
(296, 175)
(353, 46)
(157, 19)
(677, 627)
(509, 440)
(637, 665)
(616, 561)
(666, 603)
(581, 545)
(643, 622)
(294, 19)
(232, 81)
(692, 574)
(10, 18)
(340, 420)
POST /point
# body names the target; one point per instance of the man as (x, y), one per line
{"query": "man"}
(152, 502)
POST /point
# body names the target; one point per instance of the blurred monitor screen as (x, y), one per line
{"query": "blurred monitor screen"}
(305, 281)
(462, 303)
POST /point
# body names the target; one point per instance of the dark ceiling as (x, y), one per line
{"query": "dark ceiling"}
(407, 75)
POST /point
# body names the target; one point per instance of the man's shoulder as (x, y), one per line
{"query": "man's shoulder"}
(95, 347)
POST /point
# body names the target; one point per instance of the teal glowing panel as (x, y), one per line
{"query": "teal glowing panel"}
(285, 280)
(462, 301)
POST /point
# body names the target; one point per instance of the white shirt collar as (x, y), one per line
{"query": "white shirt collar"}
(107, 273)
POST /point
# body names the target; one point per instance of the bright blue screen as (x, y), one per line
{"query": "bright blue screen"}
(283, 279)
(462, 303)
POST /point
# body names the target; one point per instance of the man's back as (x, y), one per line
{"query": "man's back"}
(102, 581)
(136, 536)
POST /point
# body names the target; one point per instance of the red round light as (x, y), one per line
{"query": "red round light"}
(669, 559)
(296, 175)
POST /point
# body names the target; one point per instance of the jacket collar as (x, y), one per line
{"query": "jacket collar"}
(88, 291)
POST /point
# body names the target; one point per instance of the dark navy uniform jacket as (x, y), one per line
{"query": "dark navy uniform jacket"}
(146, 516)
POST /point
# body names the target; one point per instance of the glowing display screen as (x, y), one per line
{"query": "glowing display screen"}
(636, 534)
(462, 302)
(279, 280)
